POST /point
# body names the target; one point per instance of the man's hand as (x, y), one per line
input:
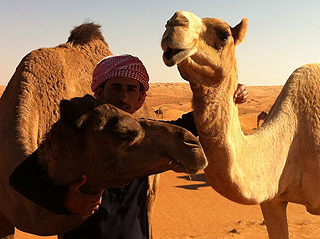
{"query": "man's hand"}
(77, 202)
(241, 94)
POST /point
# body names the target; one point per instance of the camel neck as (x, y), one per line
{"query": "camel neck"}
(236, 161)
(214, 108)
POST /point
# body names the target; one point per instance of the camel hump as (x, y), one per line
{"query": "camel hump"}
(85, 33)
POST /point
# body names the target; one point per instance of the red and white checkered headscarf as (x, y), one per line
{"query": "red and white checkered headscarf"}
(121, 65)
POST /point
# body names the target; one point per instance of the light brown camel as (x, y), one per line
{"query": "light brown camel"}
(261, 117)
(277, 164)
(30, 106)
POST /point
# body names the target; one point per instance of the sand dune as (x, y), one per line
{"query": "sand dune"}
(187, 207)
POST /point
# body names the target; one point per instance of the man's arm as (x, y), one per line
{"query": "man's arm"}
(27, 179)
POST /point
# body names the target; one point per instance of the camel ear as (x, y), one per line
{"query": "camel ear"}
(70, 114)
(239, 32)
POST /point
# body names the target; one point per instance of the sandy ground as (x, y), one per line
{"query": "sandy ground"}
(187, 207)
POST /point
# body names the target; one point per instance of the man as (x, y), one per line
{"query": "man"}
(120, 212)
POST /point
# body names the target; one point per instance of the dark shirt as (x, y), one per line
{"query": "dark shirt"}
(122, 214)
(123, 211)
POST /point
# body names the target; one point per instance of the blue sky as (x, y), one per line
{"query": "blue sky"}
(282, 35)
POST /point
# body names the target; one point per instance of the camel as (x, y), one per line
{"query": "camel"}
(159, 113)
(277, 164)
(48, 78)
(112, 149)
(261, 117)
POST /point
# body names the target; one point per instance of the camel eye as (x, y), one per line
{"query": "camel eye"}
(223, 36)
(129, 135)
(122, 133)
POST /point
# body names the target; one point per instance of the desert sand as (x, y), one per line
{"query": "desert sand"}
(187, 207)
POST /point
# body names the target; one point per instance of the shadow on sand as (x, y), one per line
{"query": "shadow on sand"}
(200, 178)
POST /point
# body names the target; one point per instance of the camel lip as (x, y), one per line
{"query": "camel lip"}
(171, 52)
(183, 169)
(178, 167)
(173, 56)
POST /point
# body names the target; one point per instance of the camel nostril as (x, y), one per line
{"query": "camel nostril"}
(190, 142)
(178, 20)
(181, 22)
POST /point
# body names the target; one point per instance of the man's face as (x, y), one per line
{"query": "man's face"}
(122, 92)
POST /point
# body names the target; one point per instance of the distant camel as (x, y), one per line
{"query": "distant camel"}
(89, 138)
(261, 117)
(279, 163)
(159, 112)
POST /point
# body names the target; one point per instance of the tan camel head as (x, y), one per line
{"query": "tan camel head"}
(189, 40)
(112, 148)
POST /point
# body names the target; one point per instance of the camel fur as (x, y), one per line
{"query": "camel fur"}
(29, 107)
(280, 163)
